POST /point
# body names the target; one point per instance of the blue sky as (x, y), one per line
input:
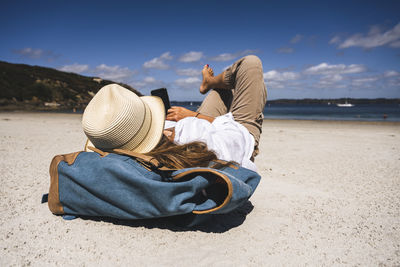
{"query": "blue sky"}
(309, 49)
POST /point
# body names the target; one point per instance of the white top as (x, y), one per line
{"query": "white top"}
(227, 138)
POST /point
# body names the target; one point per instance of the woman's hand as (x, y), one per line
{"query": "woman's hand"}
(177, 113)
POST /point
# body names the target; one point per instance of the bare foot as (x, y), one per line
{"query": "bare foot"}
(207, 74)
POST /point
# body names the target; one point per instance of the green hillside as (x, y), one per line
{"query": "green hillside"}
(38, 88)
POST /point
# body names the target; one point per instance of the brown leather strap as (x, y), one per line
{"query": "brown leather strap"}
(101, 152)
(220, 178)
(54, 202)
(145, 160)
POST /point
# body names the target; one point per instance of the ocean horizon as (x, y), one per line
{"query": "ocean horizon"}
(357, 112)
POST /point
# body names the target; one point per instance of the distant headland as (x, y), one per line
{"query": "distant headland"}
(25, 87)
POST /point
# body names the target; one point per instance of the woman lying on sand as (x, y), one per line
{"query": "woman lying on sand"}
(226, 126)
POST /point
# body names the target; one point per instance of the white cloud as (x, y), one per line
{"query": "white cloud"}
(188, 72)
(275, 85)
(281, 79)
(188, 83)
(232, 56)
(335, 40)
(277, 76)
(148, 80)
(332, 75)
(394, 83)
(158, 62)
(224, 57)
(391, 73)
(297, 38)
(147, 83)
(328, 84)
(332, 78)
(32, 53)
(167, 56)
(395, 44)
(363, 81)
(285, 50)
(192, 56)
(330, 81)
(29, 52)
(115, 73)
(376, 37)
(76, 68)
(326, 69)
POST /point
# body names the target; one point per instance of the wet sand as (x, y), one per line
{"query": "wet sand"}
(329, 195)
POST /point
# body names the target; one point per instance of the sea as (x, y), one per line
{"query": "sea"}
(358, 112)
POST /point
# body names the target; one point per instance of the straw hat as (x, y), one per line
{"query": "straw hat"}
(118, 118)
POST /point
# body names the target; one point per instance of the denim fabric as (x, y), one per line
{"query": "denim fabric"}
(118, 186)
(244, 183)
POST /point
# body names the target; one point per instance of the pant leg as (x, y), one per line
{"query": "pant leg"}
(249, 94)
(218, 102)
(246, 100)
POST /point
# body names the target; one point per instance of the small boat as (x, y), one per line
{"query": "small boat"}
(344, 105)
(51, 104)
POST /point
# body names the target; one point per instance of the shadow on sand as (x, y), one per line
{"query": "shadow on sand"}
(215, 223)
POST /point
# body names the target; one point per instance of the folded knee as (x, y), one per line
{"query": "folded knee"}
(252, 60)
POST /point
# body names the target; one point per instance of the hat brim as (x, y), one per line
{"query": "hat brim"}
(155, 132)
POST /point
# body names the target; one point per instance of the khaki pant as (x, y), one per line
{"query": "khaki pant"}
(246, 98)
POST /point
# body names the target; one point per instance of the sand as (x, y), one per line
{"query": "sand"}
(329, 195)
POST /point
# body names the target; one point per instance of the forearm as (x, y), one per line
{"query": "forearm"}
(177, 113)
(204, 117)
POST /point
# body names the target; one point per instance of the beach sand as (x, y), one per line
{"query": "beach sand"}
(329, 195)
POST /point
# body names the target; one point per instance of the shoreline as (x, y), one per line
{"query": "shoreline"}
(327, 121)
(334, 121)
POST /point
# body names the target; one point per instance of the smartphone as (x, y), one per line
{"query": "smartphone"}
(163, 94)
